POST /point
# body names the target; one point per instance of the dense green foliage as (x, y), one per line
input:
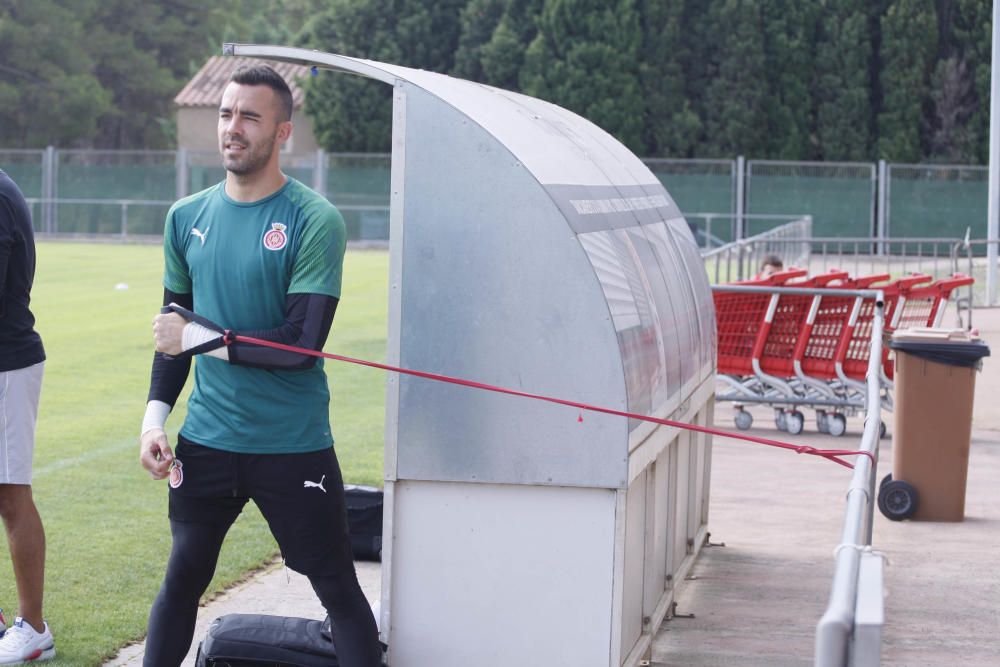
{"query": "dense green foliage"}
(354, 114)
(909, 44)
(903, 80)
(842, 76)
(97, 72)
(735, 91)
(585, 58)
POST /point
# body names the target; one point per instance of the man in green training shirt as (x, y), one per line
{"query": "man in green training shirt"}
(260, 254)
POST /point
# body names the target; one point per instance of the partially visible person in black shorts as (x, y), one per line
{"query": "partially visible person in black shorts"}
(22, 361)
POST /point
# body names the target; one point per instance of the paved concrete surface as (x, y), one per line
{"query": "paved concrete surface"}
(275, 590)
(757, 599)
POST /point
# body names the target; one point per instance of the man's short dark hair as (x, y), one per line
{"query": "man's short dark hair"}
(264, 75)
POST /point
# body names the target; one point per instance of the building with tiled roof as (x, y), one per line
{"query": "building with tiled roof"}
(198, 106)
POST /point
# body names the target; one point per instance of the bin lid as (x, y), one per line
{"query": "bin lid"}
(933, 335)
(953, 347)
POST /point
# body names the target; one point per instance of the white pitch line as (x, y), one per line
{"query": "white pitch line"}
(89, 455)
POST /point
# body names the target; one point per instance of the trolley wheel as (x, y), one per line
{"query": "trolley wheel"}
(743, 419)
(881, 430)
(780, 420)
(794, 422)
(836, 424)
(885, 480)
(821, 424)
(897, 500)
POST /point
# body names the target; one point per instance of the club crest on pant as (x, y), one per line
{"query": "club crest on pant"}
(176, 474)
(275, 238)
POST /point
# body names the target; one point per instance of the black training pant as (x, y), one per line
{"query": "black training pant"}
(302, 498)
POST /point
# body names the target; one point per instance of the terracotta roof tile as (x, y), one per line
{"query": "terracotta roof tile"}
(205, 88)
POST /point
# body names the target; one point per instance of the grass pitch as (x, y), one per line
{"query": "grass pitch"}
(105, 519)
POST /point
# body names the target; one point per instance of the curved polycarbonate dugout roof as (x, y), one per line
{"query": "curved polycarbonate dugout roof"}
(595, 180)
(528, 249)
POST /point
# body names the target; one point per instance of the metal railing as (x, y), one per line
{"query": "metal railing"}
(741, 259)
(841, 197)
(971, 256)
(729, 226)
(861, 255)
(52, 219)
(50, 224)
(852, 623)
(936, 257)
(865, 254)
(850, 630)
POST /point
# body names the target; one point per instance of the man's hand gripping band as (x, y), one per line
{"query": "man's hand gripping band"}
(200, 335)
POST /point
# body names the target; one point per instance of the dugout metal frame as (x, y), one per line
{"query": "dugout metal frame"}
(529, 249)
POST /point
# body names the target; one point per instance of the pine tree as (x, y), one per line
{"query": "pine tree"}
(909, 46)
(143, 56)
(584, 58)
(48, 91)
(953, 138)
(350, 113)
(495, 35)
(699, 42)
(789, 38)
(842, 82)
(971, 34)
(734, 118)
(503, 55)
(354, 114)
(479, 19)
(670, 125)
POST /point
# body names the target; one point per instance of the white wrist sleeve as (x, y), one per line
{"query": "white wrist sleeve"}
(195, 334)
(155, 417)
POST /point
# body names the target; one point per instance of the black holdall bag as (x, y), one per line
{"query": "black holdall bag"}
(364, 520)
(257, 640)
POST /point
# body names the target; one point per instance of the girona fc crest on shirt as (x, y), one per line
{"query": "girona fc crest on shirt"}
(275, 238)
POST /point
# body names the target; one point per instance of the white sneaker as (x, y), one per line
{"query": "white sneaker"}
(22, 644)
(3, 623)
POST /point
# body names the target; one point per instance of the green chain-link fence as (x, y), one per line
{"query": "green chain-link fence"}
(116, 192)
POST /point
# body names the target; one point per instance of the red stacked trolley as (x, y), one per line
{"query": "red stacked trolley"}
(810, 350)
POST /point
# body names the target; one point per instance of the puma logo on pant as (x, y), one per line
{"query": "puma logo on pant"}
(318, 485)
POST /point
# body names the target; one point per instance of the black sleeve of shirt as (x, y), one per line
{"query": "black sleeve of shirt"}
(169, 373)
(308, 318)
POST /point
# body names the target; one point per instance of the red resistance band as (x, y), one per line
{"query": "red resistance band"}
(831, 454)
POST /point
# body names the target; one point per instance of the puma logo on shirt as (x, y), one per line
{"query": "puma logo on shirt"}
(200, 234)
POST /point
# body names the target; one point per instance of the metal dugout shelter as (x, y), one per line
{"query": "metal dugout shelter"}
(529, 249)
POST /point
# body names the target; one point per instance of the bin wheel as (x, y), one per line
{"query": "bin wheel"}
(794, 422)
(780, 421)
(836, 424)
(897, 500)
(821, 424)
(885, 480)
(743, 419)
(881, 430)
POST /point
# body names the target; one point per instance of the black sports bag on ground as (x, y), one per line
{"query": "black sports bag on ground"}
(256, 640)
(364, 520)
